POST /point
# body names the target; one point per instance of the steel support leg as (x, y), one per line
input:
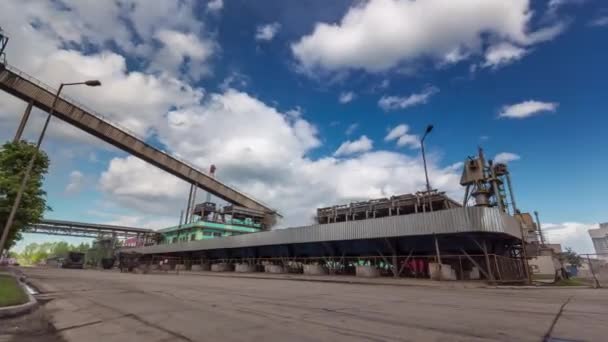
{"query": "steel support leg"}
(24, 118)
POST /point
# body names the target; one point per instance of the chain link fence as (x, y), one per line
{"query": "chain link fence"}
(591, 270)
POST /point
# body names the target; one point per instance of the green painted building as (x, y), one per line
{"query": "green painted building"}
(201, 230)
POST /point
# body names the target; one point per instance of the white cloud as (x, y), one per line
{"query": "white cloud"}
(599, 21)
(570, 234)
(346, 97)
(378, 35)
(502, 54)
(267, 32)
(258, 149)
(401, 102)
(215, 5)
(351, 128)
(363, 144)
(182, 50)
(526, 109)
(400, 133)
(270, 162)
(505, 157)
(133, 99)
(75, 182)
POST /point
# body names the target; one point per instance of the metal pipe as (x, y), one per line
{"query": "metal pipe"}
(494, 182)
(193, 203)
(26, 116)
(511, 192)
(540, 231)
(187, 211)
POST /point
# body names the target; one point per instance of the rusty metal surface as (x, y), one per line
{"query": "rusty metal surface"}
(457, 220)
(29, 89)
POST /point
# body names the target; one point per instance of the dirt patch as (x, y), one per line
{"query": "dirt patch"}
(32, 327)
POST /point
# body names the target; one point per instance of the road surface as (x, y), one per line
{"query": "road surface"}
(88, 305)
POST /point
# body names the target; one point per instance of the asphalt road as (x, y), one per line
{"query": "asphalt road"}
(87, 305)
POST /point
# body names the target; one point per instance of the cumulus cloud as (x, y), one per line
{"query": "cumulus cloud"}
(215, 5)
(400, 134)
(570, 234)
(351, 128)
(363, 144)
(502, 54)
(505, 157)
(401, 102)
(346, 97)
(599, 21)
(182, 50)
(378, 35)
(526, 109)
(133, 99)
(270, 162)
(267, 32)
(75, 182)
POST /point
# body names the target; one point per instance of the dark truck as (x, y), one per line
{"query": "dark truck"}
(73, 260)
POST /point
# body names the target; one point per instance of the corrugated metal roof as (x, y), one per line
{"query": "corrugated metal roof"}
(457, 220)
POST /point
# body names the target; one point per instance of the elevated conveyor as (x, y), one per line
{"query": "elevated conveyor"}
(31, 90)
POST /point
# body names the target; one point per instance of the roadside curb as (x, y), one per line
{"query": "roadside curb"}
(21, 309)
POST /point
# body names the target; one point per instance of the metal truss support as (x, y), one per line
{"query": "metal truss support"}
(23, 122)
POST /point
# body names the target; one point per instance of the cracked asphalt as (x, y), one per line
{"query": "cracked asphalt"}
(89, 305)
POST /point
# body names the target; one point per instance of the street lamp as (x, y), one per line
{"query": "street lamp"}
(30, 165)
(429, 128)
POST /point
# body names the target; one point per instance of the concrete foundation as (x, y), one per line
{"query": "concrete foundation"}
(315, 270)
(221, 267)
(202, 267)
(244, 268)
(473, 274)
(274, 269)
(441, 271)
(367, 271)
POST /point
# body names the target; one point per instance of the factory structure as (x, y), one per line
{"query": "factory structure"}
(425, 234)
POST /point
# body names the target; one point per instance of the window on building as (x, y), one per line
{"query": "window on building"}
(217, 234)
(207, 233)
(192, 237)
(174, 240)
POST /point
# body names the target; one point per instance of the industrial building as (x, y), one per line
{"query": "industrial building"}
(426, 234)
(599, 237)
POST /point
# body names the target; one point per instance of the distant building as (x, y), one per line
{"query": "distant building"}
(600, 239)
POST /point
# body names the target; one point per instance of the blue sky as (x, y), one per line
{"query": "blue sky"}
(294, 101)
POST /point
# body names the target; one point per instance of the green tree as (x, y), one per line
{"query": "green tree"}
(14, 158)
(572, 257)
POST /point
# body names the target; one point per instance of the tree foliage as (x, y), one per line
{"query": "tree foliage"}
(35, 253)
(572, 257)
(14, 158)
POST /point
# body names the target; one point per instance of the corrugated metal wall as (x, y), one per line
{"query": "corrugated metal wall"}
(457, 220)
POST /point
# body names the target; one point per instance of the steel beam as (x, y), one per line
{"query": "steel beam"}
(28, 89)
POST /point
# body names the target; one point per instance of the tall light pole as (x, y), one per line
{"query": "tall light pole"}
(30, 165)
(429, 128)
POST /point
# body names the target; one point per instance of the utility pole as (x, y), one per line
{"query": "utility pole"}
(30, 165)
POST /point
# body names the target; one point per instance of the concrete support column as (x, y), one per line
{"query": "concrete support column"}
(24, 118)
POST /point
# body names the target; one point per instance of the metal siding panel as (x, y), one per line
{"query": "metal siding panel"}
(457, 220)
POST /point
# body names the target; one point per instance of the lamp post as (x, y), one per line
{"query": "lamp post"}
(30, 165)
(429, 128)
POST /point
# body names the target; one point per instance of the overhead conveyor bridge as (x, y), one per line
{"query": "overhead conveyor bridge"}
(30, 90)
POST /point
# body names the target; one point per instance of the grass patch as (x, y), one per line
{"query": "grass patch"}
(10, 292)
(570, 282)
